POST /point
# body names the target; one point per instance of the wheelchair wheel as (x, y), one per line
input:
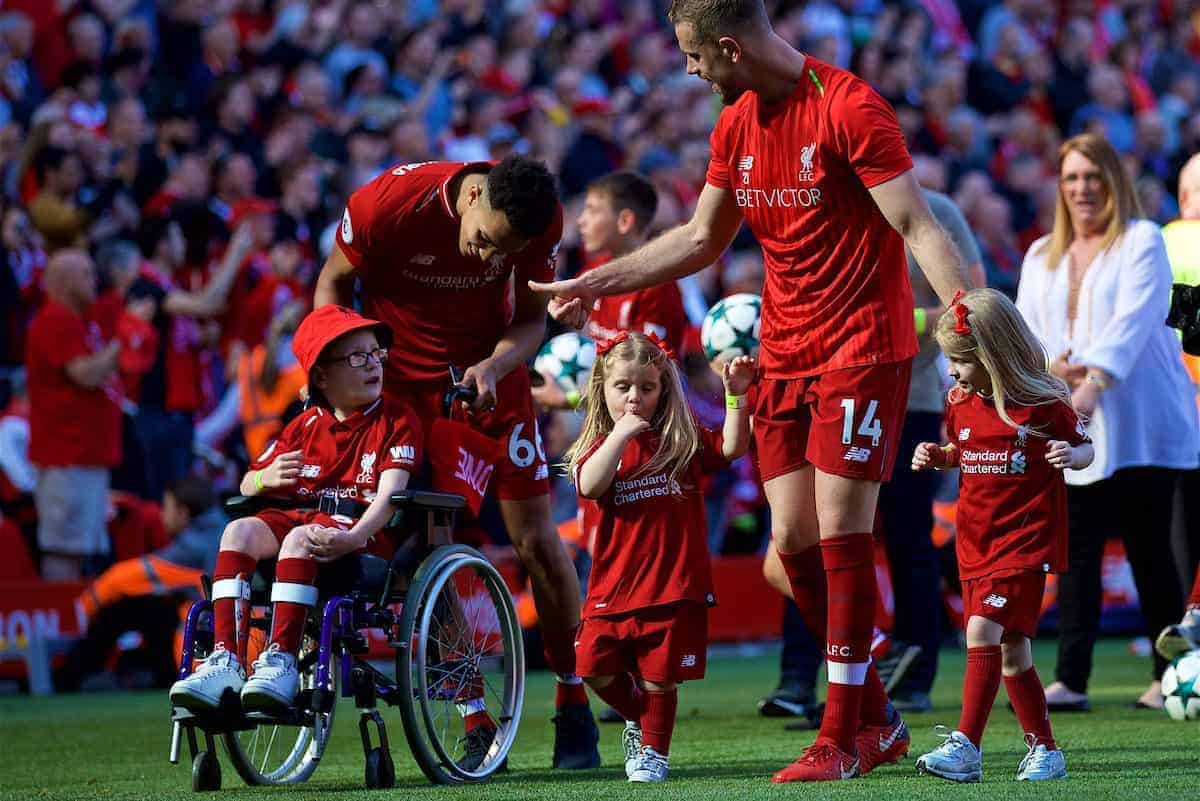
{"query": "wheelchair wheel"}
(464, 657)
(288, 753)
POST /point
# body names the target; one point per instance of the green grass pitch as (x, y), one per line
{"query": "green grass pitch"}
(114, 746)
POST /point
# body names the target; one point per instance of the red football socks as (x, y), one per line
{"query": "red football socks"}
(850, 575)
(806, 575)
(658, 719)
(1029, 702)
(287, 620)
(624, 696)
(559, 648)
(231, 564)
(980, 685)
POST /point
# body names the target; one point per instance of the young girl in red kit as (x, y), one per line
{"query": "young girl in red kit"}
(640, 460)
(346, 455)
(1012, 432)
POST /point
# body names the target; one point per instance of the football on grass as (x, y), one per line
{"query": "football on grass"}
(1181, 687)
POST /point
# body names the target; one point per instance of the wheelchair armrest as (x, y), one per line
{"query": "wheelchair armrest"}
(245, 505)
(425, 499)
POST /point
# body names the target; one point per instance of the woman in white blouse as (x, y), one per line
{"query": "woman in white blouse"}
(1097, 291)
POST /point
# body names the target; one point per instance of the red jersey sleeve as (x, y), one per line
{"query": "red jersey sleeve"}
(281, 444)
(1066, 425)
(354, 233)
(538, 261)
(404, 446)
(711, 459)
(718, 159)
(867, 133)
(586, 455)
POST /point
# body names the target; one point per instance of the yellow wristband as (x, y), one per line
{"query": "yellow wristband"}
(573, 399)
(258, 482)
(921, 319)
(735, 401)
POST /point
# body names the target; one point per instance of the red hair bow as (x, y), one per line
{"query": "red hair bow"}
(607, 345)
(961, 327)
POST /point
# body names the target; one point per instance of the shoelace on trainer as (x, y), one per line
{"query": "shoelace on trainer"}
(818, 752)
(272, 657)
(1035, 758)
(950, 744)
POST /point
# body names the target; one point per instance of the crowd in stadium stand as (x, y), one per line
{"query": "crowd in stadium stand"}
(195, 157)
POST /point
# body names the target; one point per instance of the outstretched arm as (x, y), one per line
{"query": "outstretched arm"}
(903, 205)
(335, 284)
(678, 252)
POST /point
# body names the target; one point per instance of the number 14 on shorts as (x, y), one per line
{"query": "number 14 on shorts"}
(869, 426)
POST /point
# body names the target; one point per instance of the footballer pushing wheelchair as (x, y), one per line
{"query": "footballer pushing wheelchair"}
(444, 610)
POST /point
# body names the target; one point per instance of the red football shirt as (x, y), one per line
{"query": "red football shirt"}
(651, 536)
(400, 231)
(345, 458)
(836, 292)
(656, 309)
(1012, 505)
(69, 425)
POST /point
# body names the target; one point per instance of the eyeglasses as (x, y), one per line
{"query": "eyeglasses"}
(359, 358)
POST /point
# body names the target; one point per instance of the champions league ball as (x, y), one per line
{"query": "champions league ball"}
(731, 327)
(568, 359)
(1181, 687)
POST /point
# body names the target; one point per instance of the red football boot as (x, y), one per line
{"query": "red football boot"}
(822, 761)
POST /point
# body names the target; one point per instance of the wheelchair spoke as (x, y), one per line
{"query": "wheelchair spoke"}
(267, 752)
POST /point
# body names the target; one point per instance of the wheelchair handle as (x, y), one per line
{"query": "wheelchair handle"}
(458, 393)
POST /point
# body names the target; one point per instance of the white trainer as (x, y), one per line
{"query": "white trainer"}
(1179, 638)
(651, 766)
(274, 682)
(631, 741)
(956, 759)
(1041, 763)
(207, 683)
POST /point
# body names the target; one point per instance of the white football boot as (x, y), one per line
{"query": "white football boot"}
(651, 766)
(1041, 763)
(274, 682)
(956, 759)
(631, 742)
(202, 690)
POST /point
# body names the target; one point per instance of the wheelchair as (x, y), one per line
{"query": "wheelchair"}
(450, 619)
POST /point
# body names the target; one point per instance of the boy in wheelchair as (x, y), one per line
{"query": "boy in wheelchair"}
(342, 458)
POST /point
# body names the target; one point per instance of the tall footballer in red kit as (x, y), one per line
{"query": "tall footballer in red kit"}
(813, 160)
(442, 252)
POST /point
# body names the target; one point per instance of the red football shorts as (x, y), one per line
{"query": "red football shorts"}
(845, 422)
(521, 472)
(1012, 600)
(660, 643)
(282, 521)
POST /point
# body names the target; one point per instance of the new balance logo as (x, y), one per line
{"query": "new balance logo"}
(745, 163)
(964, 434)
(310, 471)
(996, 601)
(423, 259)
(402, 453)
(857, 454)
(689, 660)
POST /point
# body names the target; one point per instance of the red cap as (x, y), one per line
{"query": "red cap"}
(249, 207)
(325, 325)
(591, 105)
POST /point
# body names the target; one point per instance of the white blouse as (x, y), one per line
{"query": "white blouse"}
(1148, 417)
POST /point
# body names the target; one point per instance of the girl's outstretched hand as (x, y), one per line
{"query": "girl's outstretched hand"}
(739, 374)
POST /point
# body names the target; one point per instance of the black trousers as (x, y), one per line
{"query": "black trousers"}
(1134, 504)
(906, 509)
